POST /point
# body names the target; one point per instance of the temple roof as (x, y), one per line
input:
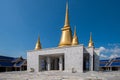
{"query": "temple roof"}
(114, 62)
(6, 61)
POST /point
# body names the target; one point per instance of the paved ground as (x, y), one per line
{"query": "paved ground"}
(56, 75)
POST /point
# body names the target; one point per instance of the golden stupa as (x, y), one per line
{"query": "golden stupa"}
(66, 37)
(38, 44)
(91, 44)
(75, 38)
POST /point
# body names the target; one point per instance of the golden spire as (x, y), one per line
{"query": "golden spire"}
(38, 45)
(91, 44)
(66, 17)
(75, 38)
(66, 37)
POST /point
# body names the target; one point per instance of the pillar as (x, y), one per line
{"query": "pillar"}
(91, 63)
(20, 68)
(55, 66)
(48, 63)
(40, 63)
(60, 63)
(110, 69)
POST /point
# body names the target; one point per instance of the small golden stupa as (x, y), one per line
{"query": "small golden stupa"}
(91, 44)
(75, 38)
(38, 44)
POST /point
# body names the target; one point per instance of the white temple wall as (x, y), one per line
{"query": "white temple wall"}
(73, 57)
(91, 52)
(32, 62)
(96, 60)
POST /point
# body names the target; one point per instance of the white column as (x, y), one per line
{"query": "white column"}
(60, 63)
(110, 69)
(20, 69)
(40, 63)
(55, 66)
(91, 63)
(48, 63)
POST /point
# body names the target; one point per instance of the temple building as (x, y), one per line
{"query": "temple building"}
(12, 64)
(69, 56)
(110, 64)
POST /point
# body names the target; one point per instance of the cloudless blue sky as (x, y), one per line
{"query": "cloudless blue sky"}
(21, 21)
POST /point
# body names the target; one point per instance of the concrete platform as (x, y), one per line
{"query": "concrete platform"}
(56, 75)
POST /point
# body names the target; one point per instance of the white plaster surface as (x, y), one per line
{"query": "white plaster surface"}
(96, 61)
(73, 57)
(57, 75)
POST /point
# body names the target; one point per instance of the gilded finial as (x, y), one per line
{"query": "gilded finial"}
(38, 45)
(66, 16)
(75, 38)
(91, 44)
(66, 37)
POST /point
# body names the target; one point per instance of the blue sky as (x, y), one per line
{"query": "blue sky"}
(21, 21)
